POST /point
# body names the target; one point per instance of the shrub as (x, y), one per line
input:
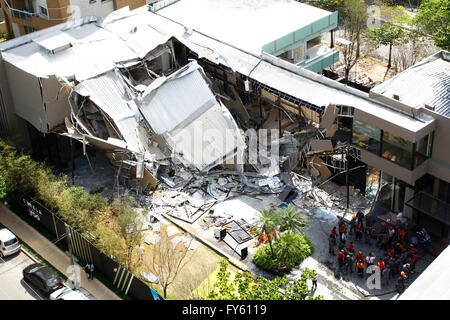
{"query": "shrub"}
(290, 247)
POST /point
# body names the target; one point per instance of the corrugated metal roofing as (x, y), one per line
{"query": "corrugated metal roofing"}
(183, 109)
(95, 49)
(181, 97)
(427, 82)
(109, 93)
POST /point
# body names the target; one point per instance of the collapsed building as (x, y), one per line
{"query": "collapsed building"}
(172, 106)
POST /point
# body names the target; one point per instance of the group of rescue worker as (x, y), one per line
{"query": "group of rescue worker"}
(400, 257)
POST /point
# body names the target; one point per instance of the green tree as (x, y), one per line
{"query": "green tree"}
(354, 23)
(130, 224)
(244, 287)
(268, 223)
(292, 219)
(290, 247)
(388, 35)
(393, 31)
(434, 18)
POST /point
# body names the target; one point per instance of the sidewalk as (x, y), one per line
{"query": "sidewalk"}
(50, 252)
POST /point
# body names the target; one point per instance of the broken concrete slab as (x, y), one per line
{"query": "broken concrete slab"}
(321, 145)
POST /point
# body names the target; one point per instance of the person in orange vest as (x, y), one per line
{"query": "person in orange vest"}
(401, 235)
(359, 256)
(351, 249)
(341, 258)
(392, 252)
(360, 268)
(342, 229)
(359, 230)
(352, 225)
(381, 265)
(413, 262)
(333, 231)
(360, 217)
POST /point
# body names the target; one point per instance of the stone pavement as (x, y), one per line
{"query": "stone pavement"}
(332, 284)
(51, 253)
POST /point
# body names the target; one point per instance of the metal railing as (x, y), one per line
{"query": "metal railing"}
(20, 14)
(430, 205)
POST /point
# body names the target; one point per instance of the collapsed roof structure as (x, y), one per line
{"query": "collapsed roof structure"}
(139, 86)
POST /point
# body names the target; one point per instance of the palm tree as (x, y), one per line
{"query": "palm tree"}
(268, 223)
(291, 248)
(292, 219)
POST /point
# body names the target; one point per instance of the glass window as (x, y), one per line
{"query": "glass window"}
(423, 150)
(397, 149)
(43, 11)
(366, 136)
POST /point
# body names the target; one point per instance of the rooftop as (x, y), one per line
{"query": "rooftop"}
(246, 24)
(426, 83)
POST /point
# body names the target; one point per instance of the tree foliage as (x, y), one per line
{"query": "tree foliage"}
(167, 261)
(290, 248)
(244, 287)
(88, 213)
(389, 35)
(130, 226)
(434, 18)
(354, 23)
(268, 223)
(292, 219)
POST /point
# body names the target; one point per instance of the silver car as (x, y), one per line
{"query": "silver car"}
(9, 244)
(66, 293)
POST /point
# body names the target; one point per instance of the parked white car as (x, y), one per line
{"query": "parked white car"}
(66, 293)
(9, 244)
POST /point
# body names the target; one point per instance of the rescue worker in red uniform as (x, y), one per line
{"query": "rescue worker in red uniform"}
(360, 268)
(381, 265)
(341, 258)
(359, 256)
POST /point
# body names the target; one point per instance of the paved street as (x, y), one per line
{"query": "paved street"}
(51, 253)
(13, 286)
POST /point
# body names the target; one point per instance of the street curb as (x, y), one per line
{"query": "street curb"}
(29, 255)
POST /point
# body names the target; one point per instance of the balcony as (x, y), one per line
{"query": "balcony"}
(24, 14)
(318, 58)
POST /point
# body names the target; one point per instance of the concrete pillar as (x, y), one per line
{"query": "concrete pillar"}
(407, 210)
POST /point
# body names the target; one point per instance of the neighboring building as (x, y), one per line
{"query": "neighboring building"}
(417, 159)
(287, 29)
(26, 16)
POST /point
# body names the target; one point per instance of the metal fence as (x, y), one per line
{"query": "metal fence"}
(84, 250)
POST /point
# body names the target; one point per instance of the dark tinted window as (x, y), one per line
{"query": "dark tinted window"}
(10, 242)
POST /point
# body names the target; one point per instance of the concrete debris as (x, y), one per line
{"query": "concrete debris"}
(151, 238)
(172, 230)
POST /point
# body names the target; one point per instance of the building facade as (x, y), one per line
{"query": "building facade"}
(289, 30)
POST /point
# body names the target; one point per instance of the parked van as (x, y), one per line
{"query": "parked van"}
(9, 244)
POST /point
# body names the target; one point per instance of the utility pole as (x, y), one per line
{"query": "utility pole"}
(73, 162)
(72, 262)
(346, 177)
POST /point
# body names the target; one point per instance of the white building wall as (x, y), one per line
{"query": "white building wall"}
(98, 8)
